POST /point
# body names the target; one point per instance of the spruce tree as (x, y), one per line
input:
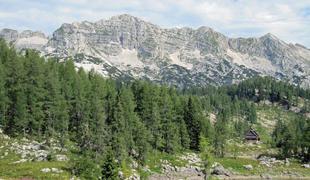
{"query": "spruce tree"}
(109, 167)
(169, 128)
(220, 135)
(191, 117)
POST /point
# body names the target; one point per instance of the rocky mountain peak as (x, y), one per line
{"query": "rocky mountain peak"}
(25, 39)
(125, 17)
(128, 47)
(269, 36)
(29, 33)
(9, 34)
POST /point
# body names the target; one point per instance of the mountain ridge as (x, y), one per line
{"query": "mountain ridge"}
(125, 46)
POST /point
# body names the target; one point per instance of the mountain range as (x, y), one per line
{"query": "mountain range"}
(126, 47)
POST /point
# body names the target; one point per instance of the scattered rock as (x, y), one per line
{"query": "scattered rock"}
(191, 158)
(34, 151)
(134, 165)
(265, 176)
(168, 167)
(41, 155)
(121, 175)
(269, 161)
(218, 169)
(306, 165)
(248, 167)
(134, 176)
(295, 109)
(134, 153)
(24, 139)
(287, 162)
(61, 157)
(20, 161)
(265, 163)
(46, 170)
(291, 174)
(146, 169)
(5, 137)
(55, 170)
(74, 178)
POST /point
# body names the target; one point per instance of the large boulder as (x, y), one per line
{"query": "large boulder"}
(218, 169)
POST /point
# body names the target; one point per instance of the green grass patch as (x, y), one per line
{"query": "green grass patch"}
(33, 170)
(236, 165)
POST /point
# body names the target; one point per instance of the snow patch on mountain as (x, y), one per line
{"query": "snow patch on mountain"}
(126, 58)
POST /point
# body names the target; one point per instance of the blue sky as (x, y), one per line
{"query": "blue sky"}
(287, 19)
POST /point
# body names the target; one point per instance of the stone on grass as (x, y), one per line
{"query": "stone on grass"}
(248, 167)
(20, 161)
(134, 165)
(61, 157)
(120, 174)
(218, 169)
(46, 170)
(55, 170)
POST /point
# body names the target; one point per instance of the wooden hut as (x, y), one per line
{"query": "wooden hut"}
(252, 135)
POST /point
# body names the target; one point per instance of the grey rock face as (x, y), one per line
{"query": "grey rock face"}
(9, 34)
(24, 40)
(218, 169)
(127, 47)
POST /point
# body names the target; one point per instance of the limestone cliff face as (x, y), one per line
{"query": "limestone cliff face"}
(25, 39)
(128, 47)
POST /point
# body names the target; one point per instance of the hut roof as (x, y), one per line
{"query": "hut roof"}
(252, 135)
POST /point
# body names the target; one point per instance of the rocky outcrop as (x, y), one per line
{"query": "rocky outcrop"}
(270, 161)
(30, 150)
(24, 40)
(126, 47)
(52, 170)
(218, 169)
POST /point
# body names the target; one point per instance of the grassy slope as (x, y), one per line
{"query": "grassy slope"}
(31, 170)
(240, 153)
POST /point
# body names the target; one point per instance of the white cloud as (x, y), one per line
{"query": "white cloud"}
(284, 18)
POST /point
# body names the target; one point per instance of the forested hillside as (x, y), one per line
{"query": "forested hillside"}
(108, 120)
